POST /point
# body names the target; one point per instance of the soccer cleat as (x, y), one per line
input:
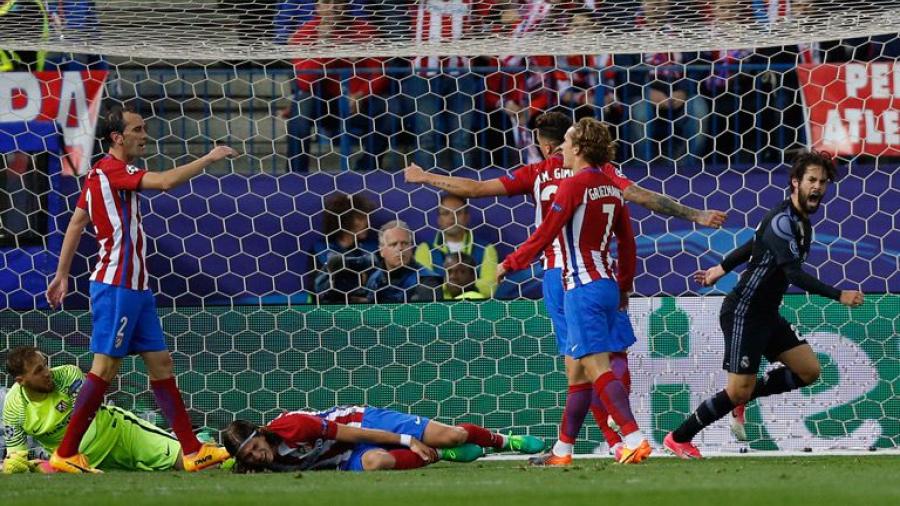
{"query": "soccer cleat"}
(209, 455)
(681, 450)
(465, 453)
(625, 455)
(616, 448)
(525, 444)
(738, 422)
(76, 464)
(550, 460)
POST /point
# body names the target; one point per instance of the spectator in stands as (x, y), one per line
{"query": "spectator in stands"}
(460, 278)
(454, 236)
(444, 91)
(396, 277)
(345, 253)
(334, 92)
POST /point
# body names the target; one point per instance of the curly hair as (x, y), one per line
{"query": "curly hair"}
(594, 141)
(18, 359)
(807, 159)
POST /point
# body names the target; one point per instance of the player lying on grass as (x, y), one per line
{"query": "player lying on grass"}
(40, 403)
(355, 438)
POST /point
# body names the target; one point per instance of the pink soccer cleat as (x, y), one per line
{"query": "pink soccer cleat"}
(685, 451)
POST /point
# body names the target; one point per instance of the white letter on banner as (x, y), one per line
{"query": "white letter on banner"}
(889, 122)
(853, 117)
(834, 132)
(856, 78)
(23, 83)
(79, 138)
(880, 81)
(873, 135)
(896, 81)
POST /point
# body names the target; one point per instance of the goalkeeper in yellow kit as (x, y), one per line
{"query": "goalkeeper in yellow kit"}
(40, 403)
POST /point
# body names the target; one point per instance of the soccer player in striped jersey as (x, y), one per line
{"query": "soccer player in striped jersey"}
(40, 403)
(749, 317)
(541, 181)
(356, 438)
(122, 306)
(586, 212)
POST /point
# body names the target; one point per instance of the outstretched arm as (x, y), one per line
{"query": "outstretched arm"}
(58, 288)
(462, 186)
(172, 178)
(670, 207)
(561, 212)
(737, 257)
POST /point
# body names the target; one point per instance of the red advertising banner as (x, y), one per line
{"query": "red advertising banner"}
(71, 99)
(851, 108)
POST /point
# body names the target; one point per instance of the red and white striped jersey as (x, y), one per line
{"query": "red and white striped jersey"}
(436, 21)
(308, 437)
(587, 211)
(111, 198)
(541, 180)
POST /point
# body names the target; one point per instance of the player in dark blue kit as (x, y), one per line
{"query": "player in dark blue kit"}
(749, 317)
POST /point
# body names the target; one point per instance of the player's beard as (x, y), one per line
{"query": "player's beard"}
(810, 206)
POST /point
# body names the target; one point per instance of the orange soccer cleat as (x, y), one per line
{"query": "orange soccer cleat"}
(76, 464)
(209, 455)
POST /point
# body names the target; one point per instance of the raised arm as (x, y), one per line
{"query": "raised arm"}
(670, 207)
(561, 212)
(59, 286)
(173, 178)
(462, 186)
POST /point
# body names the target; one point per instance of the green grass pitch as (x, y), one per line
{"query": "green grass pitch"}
(807, 481)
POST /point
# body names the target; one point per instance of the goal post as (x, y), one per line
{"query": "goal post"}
(709, 101)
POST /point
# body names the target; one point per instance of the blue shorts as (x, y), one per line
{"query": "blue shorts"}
(593, 320)
(387, 420)
(125, 321)
(554, 294)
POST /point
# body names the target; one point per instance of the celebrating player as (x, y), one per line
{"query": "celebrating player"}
(749, 317)
(123, 309)
(354, 438)
(541, 181)
(41, 401)
(587, 209)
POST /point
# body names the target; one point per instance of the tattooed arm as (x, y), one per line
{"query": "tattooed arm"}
(670, 207)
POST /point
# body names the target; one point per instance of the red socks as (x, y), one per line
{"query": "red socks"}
(169, 400)
(86, 405)
(482, 437)
(407, 459)
(615, 399)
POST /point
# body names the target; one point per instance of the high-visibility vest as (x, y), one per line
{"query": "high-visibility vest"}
(9, 58)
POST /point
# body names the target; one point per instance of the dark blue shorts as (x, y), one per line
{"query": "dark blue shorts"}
(387, 420)
(595, 324)
(125, 321)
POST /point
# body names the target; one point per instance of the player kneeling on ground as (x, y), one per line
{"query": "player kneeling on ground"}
(354, 438)
(41, 402)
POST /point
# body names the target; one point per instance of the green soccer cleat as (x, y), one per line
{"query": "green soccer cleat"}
(466, 453)
(524, 444)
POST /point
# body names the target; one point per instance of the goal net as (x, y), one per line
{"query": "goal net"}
(328, 101)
